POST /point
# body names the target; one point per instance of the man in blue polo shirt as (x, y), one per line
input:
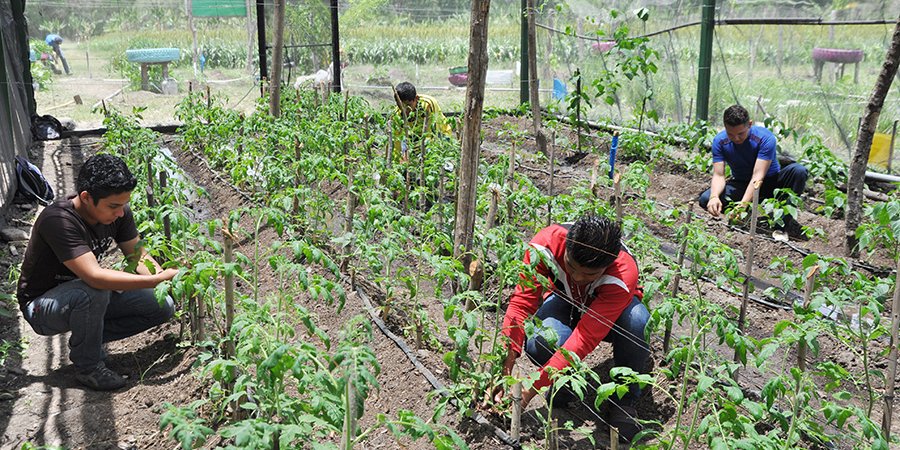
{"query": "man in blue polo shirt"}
(750, 152)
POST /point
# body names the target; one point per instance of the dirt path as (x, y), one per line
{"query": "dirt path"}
(46, 405)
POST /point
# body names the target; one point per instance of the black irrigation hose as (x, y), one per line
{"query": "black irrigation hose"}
(401, 344)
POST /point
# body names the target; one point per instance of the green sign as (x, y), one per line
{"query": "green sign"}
(218, 8)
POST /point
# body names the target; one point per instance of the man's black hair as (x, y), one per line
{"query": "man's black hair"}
(406, 91)
(736, 115)
(594, 241)
(104, 175)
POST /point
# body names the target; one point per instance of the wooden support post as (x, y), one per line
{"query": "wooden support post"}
(515, 423)
(229, 291)
(553, 441)
(748, 267)
(807, 298)
(167, 223)
(890, 161)
(676, 281)
(145, 77)
(550, 193)
(595, 174)
(351, 207)
(151, 202)
(890, 382)
(617, 193)
(492, 209)
(476, 281)
(510, 183)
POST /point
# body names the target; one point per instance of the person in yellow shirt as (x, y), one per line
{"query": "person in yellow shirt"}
(415, 113)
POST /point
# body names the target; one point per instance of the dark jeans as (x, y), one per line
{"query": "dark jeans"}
(62, 58)
(94, 316)
(792, 176)
(630, 347)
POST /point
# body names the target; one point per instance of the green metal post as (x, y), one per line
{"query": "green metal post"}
(523, 66)
(704, 70)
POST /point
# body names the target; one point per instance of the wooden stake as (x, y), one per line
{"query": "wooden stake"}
(550, 194)
(492, 209)
(553, 441)
(229, 291)
(151, 202)
(515, 423)
(617, 192)
(667, 337)
(167, 223)
(595, 188)
(892, 361)
(613, 438)
(807, 297)
(351, 207)
(748, 267)
(476, 281)
(510, 183)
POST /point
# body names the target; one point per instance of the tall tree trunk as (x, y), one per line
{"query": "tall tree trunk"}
(464, 228)
(277, 60)
(864, 142)
(533, 94)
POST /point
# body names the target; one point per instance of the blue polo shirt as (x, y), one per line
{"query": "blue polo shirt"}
(760, 144)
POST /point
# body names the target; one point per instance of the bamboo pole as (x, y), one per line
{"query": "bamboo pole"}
(613, 438)
(807, 298)
(892, 360)
(667, 337)
(748, 268)
(351, 208)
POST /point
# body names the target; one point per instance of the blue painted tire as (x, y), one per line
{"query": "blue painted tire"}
(153, 55)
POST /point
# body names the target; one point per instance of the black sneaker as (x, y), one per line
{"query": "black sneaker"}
(624, 419)
(100, 378)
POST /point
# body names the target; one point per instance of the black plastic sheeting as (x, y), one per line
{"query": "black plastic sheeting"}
(16, 94)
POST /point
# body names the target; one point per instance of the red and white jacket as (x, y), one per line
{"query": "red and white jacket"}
(604, 299)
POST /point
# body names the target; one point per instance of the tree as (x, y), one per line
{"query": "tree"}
(464, 228)
(864, 142)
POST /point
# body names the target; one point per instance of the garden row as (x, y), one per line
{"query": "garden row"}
(340, 201)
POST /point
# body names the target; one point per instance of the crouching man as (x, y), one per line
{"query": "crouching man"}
(63, 288)
(593, 297)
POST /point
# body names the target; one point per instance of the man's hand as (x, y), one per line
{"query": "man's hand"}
(714, 206)
(738, 212)
(165, 275)
(498, 393)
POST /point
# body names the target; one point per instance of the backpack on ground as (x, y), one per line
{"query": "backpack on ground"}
(32, 186)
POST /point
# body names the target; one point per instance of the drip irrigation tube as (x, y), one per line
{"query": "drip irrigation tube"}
(401, 344)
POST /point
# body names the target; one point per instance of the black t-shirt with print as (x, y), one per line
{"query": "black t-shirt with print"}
(61, 234)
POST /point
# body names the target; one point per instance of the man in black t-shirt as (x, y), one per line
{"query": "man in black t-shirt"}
(63, 287)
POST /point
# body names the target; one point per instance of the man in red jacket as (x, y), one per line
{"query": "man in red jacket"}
(594, 297)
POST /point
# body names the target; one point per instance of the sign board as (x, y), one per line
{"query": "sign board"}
(219, 8)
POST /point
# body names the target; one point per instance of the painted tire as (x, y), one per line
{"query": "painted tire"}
(153, 55)
(837, 55)
(458, 70)
(459, 79)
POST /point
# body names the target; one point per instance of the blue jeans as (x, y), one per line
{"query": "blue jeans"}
(94, 316)
(630, 347)
(792, 176)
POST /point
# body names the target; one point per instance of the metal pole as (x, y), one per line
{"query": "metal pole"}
(523, 65)
(704, 67)
(335, 48)
(261, 37)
